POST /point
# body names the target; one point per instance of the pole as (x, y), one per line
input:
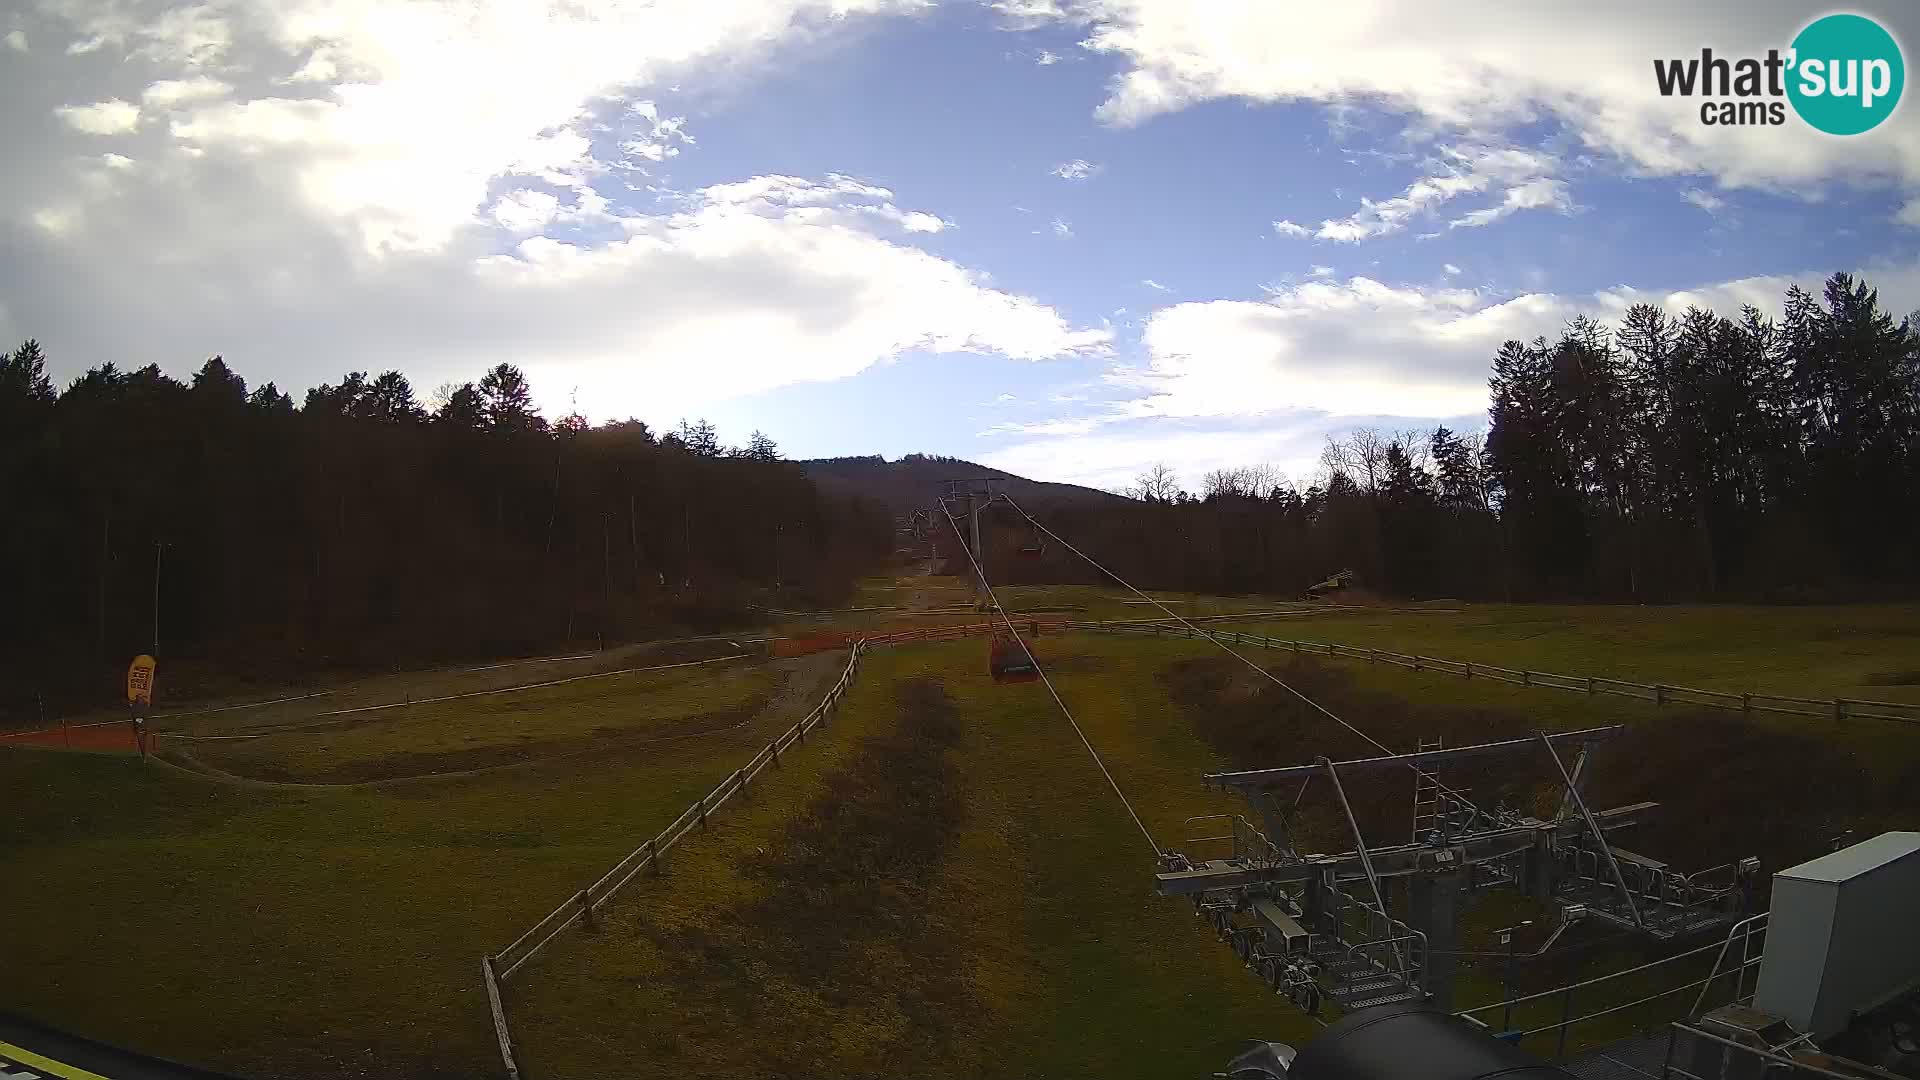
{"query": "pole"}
(156, 598)
(1566, 1011)
(1506, 1012)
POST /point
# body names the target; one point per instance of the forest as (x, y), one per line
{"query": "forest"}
(1697, 457)
(1667, 458)
(363, 529)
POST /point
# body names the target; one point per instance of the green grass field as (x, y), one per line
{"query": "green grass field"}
(992, 917)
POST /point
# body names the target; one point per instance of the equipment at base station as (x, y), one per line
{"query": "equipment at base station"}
(1008, 660)
(1838, 987)
(1333, 584)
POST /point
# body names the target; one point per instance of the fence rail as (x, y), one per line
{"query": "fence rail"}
(1838, 708)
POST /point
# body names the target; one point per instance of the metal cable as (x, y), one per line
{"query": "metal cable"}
(1064, 711)
(1277, 681)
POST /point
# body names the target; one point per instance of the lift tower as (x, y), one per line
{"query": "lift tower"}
(969, 499)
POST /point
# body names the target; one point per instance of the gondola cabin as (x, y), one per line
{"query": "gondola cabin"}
(1009, 661)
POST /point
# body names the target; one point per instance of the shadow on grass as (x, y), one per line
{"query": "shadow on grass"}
(843, 923)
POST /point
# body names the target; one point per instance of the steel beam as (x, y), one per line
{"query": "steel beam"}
(1397, 861)
(1259, 779)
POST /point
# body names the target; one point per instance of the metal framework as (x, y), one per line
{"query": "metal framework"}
(1320, 927)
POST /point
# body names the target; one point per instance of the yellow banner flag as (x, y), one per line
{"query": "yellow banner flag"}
(140, 680)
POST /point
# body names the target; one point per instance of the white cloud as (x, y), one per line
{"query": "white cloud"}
(1319, 271)
(111, 117)
(116, 161)
(1152, 284)
(168, 92)
(1491, 65)
(1062, 229)
(1077, 169)
(1449, 269)
(1112, 458)
(740, 288)
(1343, 348)
(1047, 58)
(1025, 14)
(1909, 214)
(1044, 427)
(658, 138)
(526, 211)
(1288, 228)
(1232, 382)
(1541, 193)
(918, 221)
(16, 40)
(1366, 348)
(409, 111)
(436, 187)
(1459, 170)
(1705, 200)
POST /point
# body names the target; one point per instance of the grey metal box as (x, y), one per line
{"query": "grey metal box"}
(1844, 934)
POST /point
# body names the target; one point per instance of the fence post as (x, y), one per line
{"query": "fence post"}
(1469, 667)
(1526, 677)
(1589, 686)
(700, 805)
(740, 781)
(586, 911)
(774, 746)
(1296, 648)
(1373, 656)
(1659, 694)
(654, 863)
(1746, 704)
(1839, 709)
(1566, 1012)
(499, 1017)
(1416, 662)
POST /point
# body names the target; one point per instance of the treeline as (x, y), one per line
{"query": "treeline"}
(1698, 457)
(364, 528)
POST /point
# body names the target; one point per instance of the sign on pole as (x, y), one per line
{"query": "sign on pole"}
(140, 682)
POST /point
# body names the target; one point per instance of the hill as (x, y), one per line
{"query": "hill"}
(915, 480)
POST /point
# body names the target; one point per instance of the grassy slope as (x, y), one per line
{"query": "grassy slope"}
(1802, 651)
(477, 732)
(327, 932)
(1074, 967)
(290, 933)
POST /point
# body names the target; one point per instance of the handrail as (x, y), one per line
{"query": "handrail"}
(1744, 925)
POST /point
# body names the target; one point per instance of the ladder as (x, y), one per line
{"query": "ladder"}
(1426, 795)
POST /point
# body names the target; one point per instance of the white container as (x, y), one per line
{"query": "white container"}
(1844, 934)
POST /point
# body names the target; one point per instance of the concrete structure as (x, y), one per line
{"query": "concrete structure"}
(1844, 935)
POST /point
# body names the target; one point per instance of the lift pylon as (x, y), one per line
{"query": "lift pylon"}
(1326, 920)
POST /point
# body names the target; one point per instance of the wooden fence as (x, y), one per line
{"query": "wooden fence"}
(580, 907)
(1839, 708)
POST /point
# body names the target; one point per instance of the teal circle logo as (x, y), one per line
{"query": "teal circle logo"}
(1846, 74)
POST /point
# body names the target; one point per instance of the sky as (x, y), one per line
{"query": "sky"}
(1067, 238)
